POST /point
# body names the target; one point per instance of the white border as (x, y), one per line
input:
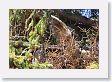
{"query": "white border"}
(102, 72)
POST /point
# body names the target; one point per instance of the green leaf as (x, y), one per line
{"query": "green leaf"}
(41, 26)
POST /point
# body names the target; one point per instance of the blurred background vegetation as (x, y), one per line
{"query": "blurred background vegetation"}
(29, 31)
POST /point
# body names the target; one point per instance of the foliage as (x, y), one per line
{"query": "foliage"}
(25, 62)
(37, 65)
(37, 31)
(32, 37)
(22, 62)
(93, 65)
(16, 16)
